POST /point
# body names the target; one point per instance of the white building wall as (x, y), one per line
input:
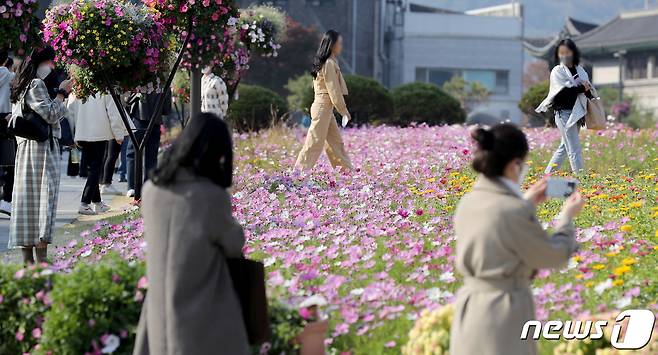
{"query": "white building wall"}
(464, 42)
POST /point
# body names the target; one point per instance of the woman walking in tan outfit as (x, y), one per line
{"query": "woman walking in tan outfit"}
(500, 245)
(329, 87)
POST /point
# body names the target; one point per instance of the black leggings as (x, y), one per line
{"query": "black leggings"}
(111, 155)
(8, 187)
(93, 154)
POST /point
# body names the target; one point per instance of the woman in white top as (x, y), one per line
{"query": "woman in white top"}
(96, 122)
(7, 143)
(214, 95)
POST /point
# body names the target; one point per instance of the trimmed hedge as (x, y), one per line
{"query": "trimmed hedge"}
(532, 98)
(368, 100)
(257, 108)
(425, 103)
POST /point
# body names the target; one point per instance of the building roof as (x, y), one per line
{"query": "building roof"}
(413, 7)
(544, 47)
(627, 30)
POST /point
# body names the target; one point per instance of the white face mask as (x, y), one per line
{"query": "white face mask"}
(43, 71)
(206, 70)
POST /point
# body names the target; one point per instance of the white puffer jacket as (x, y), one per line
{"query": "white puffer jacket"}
(95, 120)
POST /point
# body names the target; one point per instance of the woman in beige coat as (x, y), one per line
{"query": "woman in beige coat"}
(500, 244)
(191, 306)
(330, 89)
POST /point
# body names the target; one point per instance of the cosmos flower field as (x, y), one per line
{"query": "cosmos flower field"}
(378, 243)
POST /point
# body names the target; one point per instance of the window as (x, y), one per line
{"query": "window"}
(636, 66)
(496, 81)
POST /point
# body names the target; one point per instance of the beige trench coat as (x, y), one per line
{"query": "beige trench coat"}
(191, 306)
(500, 243)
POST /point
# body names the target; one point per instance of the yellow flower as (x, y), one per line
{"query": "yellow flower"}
(626, 228)
(598, 266)
(636, 204)
(577, 258)
(589, 283)
(579, 276)
(629, 261)
(621, 270)
(431, 179)
(617, 282)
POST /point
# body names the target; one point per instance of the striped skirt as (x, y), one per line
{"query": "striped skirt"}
(36, 190)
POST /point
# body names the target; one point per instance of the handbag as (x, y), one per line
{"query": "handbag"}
(249, 283)
(595, 116)
(29, 125)
(67, 134)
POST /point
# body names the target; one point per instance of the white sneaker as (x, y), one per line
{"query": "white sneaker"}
(130, 193)
(5, 207)
(109, 190)
(101, 207)
(85, 209)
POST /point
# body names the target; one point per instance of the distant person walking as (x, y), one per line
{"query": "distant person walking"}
(330, 88)
(214, 95)
(191, 306)
(568, 94)
(499, 251)
(36, 181)
(97, 122)
(7, 142)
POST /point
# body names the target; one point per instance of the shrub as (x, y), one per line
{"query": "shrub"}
(286, 323)
(367, 101)
(532, 98)
(24, 300)
(431, 333)
(256, 109)
(423, 102)
(94, 307)
(301, 92)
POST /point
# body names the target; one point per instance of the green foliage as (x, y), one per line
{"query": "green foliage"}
(257, 108)
(299, 88)
(24, 300)
(468, 94)
(273, 14)
(637, 117)
(92, 302)
(426, 103)
(368, 100)
(180, 87)
(532, 98)
(286, 323)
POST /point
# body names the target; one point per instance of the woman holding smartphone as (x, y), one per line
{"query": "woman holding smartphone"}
(329, 87)
(499, 251)
(568, 93)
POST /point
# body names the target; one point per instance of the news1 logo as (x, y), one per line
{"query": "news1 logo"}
(637, 335)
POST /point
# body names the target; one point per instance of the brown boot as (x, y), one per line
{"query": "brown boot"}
(28, 255)
(42, 254)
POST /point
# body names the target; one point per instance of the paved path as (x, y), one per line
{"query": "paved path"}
(70, 191)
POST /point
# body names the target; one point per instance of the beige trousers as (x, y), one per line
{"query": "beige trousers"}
(323, 133)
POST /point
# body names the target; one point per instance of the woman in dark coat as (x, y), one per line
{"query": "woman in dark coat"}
(191, 306)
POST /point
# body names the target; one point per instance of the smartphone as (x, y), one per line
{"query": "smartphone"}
(560, 187)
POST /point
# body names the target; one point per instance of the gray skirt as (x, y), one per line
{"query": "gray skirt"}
(36, 190)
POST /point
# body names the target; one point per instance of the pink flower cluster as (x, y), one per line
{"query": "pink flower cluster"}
(18, 23)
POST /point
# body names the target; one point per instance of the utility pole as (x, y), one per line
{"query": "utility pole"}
(620, 54)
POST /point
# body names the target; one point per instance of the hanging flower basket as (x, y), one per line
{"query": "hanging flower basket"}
(19, 26)
(213, 25)
(110, 39)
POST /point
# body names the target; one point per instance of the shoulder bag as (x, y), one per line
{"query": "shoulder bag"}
(595, 116)
(249, 283)
(29, 125)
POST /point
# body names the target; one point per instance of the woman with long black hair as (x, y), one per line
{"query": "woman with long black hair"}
(329, 87)
(36, 180)
(569, 90)
(191, 306)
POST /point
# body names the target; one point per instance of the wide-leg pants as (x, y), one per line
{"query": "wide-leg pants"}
(569, 145)
(323, 134)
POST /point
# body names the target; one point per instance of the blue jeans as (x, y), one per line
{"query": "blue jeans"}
(569, 145)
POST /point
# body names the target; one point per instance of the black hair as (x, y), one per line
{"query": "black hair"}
(27, 71)
(324, 51)
(569, 43)
(9, 62)
(4, 55)
(204, 147)
(496, 147)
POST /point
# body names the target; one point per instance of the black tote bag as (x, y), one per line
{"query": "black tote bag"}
(29, 125)
(249, 283)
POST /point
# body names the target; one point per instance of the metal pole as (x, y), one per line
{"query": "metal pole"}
(354, 13)
(195, 92)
